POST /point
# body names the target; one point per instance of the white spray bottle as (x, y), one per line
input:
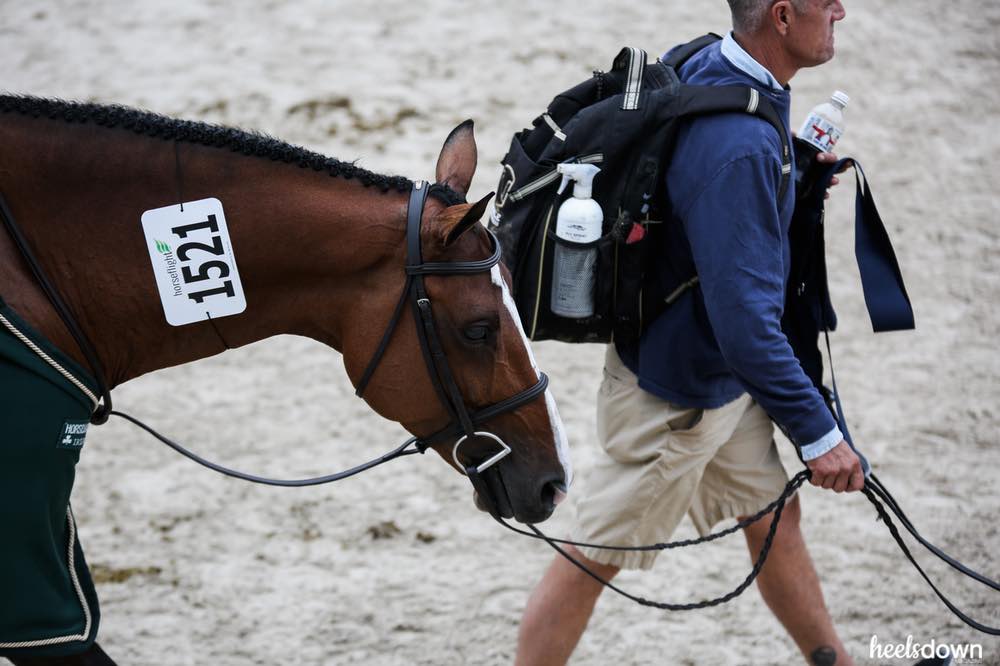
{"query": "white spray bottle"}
(580, 220)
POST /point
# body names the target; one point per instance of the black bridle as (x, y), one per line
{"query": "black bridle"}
(462, 425)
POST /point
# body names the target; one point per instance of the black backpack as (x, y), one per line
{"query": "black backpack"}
(625, 121)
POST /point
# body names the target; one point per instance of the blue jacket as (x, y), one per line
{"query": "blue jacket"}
(724, 337)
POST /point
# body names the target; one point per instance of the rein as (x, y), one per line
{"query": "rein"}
(463, 423)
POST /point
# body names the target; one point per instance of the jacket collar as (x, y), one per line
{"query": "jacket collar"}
(745, 62)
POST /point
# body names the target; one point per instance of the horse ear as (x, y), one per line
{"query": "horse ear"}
(456, 220)
(457, 162)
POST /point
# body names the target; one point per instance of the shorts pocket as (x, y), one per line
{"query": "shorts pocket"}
(686, 419)
(612, 384)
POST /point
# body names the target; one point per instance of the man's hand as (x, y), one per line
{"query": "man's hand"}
(838, 469)
(830, 158)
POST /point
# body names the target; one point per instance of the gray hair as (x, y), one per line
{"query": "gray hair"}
(749, 15)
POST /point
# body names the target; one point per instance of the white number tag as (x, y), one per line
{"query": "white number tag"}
(193, 262)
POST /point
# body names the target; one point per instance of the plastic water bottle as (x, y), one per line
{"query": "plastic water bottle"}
(819, 133)
(574, 269)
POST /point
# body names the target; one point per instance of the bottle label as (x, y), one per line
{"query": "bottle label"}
(573, 282)
(820, 133)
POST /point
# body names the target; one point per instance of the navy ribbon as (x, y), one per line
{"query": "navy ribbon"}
(888, 303)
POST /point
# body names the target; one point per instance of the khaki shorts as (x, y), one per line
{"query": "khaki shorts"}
(664, 461)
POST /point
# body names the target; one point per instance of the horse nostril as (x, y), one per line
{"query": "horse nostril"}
(553, 493)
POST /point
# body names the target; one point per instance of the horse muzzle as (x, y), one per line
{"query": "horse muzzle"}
(492, 495)
(528, 504)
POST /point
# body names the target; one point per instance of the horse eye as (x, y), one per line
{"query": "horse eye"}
(477, 332)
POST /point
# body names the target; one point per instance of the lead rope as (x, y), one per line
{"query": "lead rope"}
(874, 490)
(777, 506)
(409, 447)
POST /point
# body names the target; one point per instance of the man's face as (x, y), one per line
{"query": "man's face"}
(810, 35)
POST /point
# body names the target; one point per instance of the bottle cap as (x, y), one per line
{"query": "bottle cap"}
(582, 176)
(840, 98)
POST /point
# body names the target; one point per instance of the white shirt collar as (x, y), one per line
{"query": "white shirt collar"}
(745, 62)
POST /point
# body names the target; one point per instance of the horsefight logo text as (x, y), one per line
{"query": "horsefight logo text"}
(193, 262)
(171, 263)
(72, 435)
(961, 653)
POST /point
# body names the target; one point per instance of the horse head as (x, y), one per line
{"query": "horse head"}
(487, 354)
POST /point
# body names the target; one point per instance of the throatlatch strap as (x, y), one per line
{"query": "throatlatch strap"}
(383, 344)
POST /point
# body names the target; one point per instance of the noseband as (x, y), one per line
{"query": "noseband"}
(463, 422)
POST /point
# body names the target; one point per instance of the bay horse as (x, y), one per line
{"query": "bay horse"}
(321, 249)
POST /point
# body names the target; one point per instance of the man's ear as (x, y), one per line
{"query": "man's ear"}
(457, 162)
(456, 220)
(781, 16)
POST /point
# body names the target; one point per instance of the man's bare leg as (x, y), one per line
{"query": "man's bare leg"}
(790, 587)
(558, 611)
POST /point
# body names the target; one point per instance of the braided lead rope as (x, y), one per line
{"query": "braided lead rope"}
(794, 484)
(48, 359)
(777, 507)
(698, 605)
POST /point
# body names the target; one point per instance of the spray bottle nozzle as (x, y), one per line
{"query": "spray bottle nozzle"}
(582, 176)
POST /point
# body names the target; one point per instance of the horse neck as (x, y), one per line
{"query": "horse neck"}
(308, 246)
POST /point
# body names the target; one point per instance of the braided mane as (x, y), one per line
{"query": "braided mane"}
(217, 136)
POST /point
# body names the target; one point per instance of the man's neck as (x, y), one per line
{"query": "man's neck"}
(768, 54)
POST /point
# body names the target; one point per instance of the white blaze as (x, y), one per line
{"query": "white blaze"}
(558, 431)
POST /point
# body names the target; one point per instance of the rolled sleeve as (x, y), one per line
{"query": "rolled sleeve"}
(824, 444)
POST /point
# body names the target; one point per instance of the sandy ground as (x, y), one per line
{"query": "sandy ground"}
(396, 567)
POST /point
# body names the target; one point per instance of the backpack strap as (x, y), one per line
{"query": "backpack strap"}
(682, 53)
(633, 63)
(704, 100)
(764, 109)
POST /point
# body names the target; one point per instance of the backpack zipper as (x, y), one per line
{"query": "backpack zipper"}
(551, 176)
(541, 270)
(614, 289)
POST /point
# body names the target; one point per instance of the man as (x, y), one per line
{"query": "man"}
(685, 416)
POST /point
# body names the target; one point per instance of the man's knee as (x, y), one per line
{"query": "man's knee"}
(791, 516)
(604, 571)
